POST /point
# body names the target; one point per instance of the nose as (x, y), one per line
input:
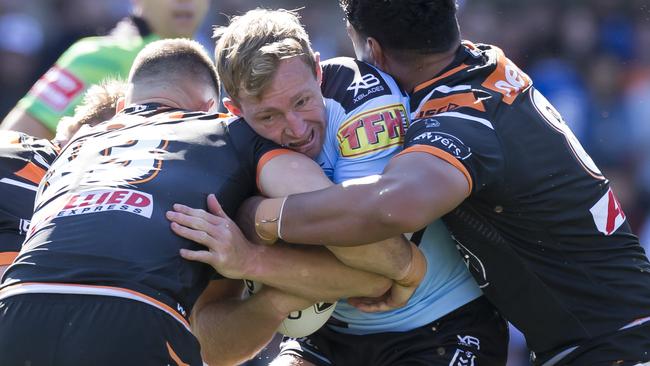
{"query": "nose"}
(296, 125)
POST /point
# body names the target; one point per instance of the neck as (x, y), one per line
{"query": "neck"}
(421, 69)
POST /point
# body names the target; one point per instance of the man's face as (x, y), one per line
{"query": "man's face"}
(172, 18)
(291, 110)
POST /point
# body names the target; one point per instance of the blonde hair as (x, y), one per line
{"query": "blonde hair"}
(98, 104)
(250, 48)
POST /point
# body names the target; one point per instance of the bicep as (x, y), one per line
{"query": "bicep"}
(424, 187)
(20, 120)
(291, 173)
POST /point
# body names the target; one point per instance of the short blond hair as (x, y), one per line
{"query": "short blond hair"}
(98, 104)
(250, 48)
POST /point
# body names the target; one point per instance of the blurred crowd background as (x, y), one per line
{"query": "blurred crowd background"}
(591, 58)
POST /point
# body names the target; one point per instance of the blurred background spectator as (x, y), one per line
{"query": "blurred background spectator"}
(589, 57)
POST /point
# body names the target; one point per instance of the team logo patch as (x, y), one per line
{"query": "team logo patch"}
(445, 142)
(374, 130)
(57, 88)
(124, 200)
(507, 78)
(607, 213)
(366, 83)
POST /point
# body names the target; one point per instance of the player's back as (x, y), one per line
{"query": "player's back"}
(23, 162)
(542, 225)
(100, 212)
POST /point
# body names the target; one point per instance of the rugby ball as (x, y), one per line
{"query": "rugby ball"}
(303, 322)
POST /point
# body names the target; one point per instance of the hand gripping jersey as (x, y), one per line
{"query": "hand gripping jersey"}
(99, 225)
(542, 231)
(23, 162)
(366, 123)
(87, 62)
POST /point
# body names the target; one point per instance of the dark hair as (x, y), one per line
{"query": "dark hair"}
(172, 57)
(420, 26)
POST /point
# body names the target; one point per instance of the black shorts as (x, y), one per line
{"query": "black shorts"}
(68, 330)
(627, 347)
(474, 334)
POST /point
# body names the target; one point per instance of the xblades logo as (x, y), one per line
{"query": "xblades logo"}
(322, 306)
(367, 81)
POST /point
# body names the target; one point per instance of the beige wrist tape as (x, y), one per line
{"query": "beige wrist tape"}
(416, 270)
(267, 219)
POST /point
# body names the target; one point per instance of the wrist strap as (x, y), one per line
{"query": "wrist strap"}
(267, 219)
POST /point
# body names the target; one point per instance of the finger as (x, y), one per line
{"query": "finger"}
(197, 236)
(215, 207)
(196, 212)
(202, 256)
(192, 222)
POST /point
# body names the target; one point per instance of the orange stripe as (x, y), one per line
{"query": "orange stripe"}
(265, 159)
(171, 310)
(174, 356)
(449, 103)
(7, 258)
(450, 72)
(32, 173)
(442, 155)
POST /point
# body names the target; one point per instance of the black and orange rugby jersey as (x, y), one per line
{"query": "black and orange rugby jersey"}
(542, 231)
(23, 162)
(100, 219)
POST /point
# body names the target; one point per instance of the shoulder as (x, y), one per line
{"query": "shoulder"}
(352, 83)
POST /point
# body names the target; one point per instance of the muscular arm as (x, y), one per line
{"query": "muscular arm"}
(389, 257)
(220, 309)
(414, 189)
(19, 120)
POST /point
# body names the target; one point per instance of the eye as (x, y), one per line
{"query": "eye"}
(302, 102)
(267, 118)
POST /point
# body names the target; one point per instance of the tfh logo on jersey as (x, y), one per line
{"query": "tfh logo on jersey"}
(371, 131)
(125, 200)
(608, 214)
(366, 82)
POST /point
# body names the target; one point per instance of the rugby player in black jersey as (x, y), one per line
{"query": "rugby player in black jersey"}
(24, 160)
(99, 279)
(536, 220)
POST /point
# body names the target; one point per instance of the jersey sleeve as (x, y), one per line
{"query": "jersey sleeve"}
(61, 88)
(468, 143)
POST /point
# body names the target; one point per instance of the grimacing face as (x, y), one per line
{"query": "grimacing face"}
(172, 18)
(291, 110)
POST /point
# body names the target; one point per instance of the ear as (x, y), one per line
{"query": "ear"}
(120, 104)
(232, 107)
(319, 70)
(377, 53)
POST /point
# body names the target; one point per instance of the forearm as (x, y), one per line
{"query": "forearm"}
(253, 320)
(389, 258)
(414, 190)
(313, 273)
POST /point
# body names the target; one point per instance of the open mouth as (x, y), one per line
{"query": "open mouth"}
(306, 141)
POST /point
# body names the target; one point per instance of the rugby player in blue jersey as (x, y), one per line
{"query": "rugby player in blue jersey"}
(350, 117)
(536, 220)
